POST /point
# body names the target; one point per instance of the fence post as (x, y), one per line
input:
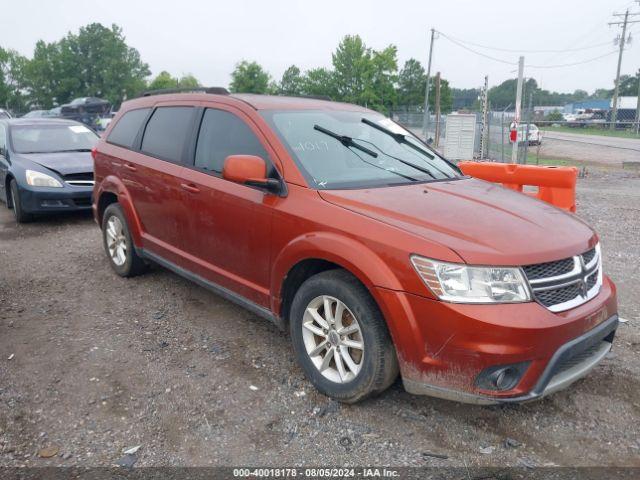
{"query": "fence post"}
(437, 102)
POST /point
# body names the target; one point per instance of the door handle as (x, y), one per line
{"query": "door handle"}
(130, 167)
(190, 188)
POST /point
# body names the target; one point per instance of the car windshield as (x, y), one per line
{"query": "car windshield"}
(51, 138)
(339, 149)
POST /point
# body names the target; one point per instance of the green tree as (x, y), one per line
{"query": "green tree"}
(249, 77)
(188, 81)
(446, 98)
(465, 98)
(554, 116)
(95, 62)
(320, 82)
(628, 86)
(353, 71)
(384, 78)
(412, 80)
(365, 76)
(291, 82)
(12, 89)
(579, 95)
(164, 80)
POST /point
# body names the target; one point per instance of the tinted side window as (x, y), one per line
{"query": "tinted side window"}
(223, 134)
(125, 131)
(166, 132)
(3, 137)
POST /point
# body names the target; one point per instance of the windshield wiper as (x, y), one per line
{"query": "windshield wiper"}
(344, 140)
(71, 150)
(401, 138)
(398, 137)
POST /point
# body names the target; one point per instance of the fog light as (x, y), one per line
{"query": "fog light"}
(52, 203)
(501, 377)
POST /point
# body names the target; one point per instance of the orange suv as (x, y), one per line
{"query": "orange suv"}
(376, 253)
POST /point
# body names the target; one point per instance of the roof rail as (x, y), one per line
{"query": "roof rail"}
(311, 97)
(210, 90)
(316, 97)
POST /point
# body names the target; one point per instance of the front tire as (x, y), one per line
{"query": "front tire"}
(18, 212)
(118, 245)
(340, 338)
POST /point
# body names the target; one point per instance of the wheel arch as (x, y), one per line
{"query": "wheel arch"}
(311, 254)
(7, 187)
(113, 190)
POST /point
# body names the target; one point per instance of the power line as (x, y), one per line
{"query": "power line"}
(561, 65)
(476, 52)
(507, 62)
(568, 50)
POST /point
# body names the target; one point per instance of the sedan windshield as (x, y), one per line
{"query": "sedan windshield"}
(338, 149)
(52, 138)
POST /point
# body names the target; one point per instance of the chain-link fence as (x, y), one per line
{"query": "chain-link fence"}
(574, 134)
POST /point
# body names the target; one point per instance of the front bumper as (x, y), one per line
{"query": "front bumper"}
(53, 200)
(443, 347)
(571, 362)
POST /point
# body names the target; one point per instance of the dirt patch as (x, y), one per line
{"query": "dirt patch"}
(100, 364)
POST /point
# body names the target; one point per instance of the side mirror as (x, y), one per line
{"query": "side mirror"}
(249, 170)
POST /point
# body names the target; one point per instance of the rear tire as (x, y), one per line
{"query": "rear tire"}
(350, 374)
(18, 212)
(116, 238)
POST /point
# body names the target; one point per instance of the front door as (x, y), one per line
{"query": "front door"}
(229, 224)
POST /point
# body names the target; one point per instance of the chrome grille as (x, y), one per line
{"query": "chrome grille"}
(548, 269)
(80, 179)
(588, 256)
(566, 283)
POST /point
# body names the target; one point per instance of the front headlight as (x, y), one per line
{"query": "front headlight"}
(39, 179)
(460, 283)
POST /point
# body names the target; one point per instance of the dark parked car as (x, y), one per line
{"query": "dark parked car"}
(45, 166)
(87, 110)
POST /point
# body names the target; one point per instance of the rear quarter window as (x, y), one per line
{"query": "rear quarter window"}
(125, 131)
(166, 132)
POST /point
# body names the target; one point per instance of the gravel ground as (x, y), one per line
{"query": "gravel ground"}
(92, 364)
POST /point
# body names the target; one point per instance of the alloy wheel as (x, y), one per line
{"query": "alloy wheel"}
(116, 241)
(333, 339)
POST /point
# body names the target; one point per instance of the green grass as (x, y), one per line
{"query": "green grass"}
(531, 160)
(604, 132)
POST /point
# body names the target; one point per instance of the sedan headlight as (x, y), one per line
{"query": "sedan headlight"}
(39, 179)
(460, 283)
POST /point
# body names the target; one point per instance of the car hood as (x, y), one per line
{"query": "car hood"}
(484, 223)
(63, 163)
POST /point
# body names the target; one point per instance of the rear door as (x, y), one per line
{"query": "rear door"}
(229, 226)
(153, 178)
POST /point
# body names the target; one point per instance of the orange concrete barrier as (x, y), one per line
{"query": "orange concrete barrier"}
(556, 185)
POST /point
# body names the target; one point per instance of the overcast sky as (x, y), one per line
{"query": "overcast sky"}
(207, 38)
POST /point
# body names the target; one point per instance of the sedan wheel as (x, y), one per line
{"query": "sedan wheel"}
(333, 339)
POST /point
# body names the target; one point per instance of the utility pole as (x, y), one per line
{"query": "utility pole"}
(425, 122)
(526, 133)
(623, 40)
(637, 119)
(437, 102)
(514, 151)
(485, 116)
